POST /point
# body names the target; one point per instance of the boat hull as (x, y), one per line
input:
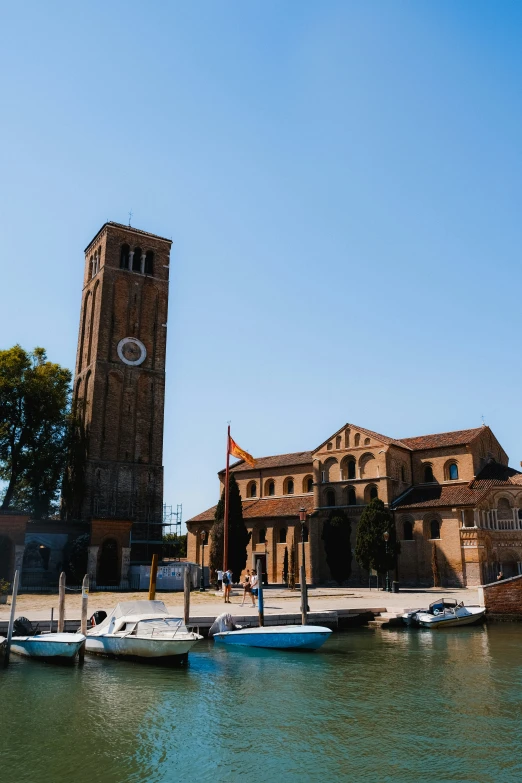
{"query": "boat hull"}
(135, 648)
(435, 622)
(48, 646)
(286, 638)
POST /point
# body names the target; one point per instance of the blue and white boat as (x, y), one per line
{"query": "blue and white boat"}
(276, 637)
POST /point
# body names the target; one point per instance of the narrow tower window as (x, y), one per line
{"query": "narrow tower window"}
(149, 263)
(124, 257)
(136, 260)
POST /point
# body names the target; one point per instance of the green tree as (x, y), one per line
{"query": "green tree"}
(73, 484)
(370, 547)
(336, 536)
(34, 406)
(285, 566)
(77, 558)
(238, 535)
(174, 546)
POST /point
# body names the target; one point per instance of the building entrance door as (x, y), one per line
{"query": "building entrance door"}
(262, 558)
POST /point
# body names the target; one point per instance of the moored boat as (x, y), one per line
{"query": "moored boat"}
(26, 640)
(142, 630)
(276, 637)
(444, 613)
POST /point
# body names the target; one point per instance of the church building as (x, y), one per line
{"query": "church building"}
(453, 496)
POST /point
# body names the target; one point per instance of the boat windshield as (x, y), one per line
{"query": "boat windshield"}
(441, 605)
(157, 625)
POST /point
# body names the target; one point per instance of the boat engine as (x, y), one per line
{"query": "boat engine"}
(24, 627)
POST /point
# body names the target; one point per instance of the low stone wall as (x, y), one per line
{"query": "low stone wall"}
(503, 600)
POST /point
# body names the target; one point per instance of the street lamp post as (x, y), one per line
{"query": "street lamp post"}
(386, 537)
(203, 535)
(302, 577)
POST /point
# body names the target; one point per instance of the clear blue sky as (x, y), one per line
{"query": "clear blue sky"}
(342, 182)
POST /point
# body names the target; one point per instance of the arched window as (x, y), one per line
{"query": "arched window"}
(453, 471)
(205, 540)
(357, 439)
(308, 484)
(434, 528)
(330, 498)
(373, 493)
(329, 446)
(262, 535)
(338, 442)
(282, 535)
(305, 534)
(149, 262)
(289, 487)
(124, 257)
(367, 441)
(351, 468)
(252, 490)
(428, 474)
(136, 260)
(271, 488)
(352, 500)
(407, 529)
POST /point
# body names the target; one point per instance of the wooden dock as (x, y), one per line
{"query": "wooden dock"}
(337, 620)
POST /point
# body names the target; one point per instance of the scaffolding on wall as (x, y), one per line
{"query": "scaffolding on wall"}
(147, 537)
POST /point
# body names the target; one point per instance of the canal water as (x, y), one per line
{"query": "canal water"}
(372, 705)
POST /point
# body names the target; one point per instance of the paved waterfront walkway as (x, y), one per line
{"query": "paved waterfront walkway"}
(277, 601)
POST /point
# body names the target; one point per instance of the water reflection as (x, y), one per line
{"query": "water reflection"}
(378, 705)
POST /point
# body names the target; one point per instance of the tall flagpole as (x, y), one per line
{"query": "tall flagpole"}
(225, 519)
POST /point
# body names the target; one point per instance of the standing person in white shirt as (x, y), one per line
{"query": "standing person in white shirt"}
(254, 588)
(220, 580)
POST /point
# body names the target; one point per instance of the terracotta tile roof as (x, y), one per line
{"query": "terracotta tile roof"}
(277, 461)
(441, 439)
(265, 508)
(432, 495)
(494, 471)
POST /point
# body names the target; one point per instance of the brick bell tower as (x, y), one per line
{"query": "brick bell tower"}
(119, 385)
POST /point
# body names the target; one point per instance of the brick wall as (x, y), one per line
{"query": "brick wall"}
(503, 598)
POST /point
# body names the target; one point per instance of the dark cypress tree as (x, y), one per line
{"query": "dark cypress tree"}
(285, 567)
(370, 547)
(337, 531)
(238, 535)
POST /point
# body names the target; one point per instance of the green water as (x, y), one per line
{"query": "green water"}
(377, 706)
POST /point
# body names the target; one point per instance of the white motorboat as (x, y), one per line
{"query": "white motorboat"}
(142, 630)
(276, 637)
(444, 613)
(56, 646)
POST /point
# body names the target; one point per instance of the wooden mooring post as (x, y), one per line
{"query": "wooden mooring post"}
(260, 606)
(61, 603)
(52, 616)
(153, 577)
(11, 618)
(186, 594)
(83, 620)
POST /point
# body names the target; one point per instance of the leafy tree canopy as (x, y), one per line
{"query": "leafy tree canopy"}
(174, 546)
(370, 547)
(337, 532)
(34, 406)
(238, 535)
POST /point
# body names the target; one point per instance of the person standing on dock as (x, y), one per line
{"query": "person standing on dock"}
(247, 587)
(227, 584)
(254, 588)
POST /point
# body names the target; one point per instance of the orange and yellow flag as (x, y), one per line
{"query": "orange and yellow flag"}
(236, 451)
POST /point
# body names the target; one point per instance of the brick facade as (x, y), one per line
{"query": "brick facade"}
(438, 486)
(120, 394)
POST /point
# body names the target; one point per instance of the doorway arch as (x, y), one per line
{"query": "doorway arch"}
(108, 563)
